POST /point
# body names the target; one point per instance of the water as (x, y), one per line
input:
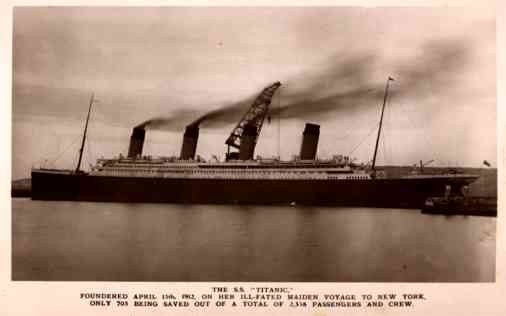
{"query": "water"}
(161, 242)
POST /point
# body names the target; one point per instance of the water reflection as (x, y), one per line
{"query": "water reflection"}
(159, 242)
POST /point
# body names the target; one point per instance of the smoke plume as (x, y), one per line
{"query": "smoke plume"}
(346, 84)
(179, 119)
(342, 84)
(176, 121)
(225, 115)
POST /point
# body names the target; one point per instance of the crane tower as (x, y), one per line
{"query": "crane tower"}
(245, 135)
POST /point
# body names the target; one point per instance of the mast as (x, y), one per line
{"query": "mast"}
(84, 136)
(381, 122)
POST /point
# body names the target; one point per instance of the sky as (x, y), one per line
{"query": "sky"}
(181, 63)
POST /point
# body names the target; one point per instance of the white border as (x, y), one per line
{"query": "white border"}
(55, 298)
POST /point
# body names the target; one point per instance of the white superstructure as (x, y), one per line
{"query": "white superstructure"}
(270, 169)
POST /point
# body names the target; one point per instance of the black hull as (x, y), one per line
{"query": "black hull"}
(397, 193)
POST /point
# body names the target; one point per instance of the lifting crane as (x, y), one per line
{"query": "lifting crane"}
(423, 164)
(251, 122)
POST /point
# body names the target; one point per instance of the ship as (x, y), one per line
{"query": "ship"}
(461, 205)
(242, 178)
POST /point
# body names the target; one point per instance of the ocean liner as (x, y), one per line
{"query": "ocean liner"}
(241, 179)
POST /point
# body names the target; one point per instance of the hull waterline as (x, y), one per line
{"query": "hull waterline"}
(394, 192)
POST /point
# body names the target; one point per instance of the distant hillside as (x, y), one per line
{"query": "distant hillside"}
(21, 188)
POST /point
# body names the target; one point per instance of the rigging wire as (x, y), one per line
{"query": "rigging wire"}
(60, 154)
(374, 128)
(89, 153)
(384, 150)
(424, 137)
(90, 133)
(279, 124)
(98, 116)
(386, 133)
